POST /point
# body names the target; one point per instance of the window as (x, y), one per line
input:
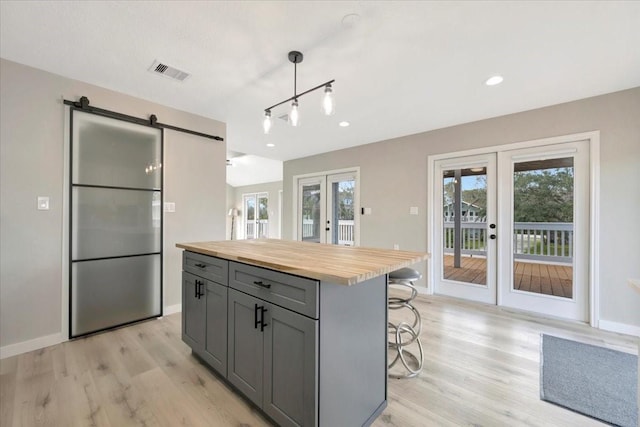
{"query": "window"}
(256, 217)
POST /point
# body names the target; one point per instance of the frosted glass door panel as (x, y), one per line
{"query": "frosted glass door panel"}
(110, 152)
(110, 222)
(114, 292)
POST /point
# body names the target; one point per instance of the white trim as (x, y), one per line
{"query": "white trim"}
(594, 251)
(621, 328)
(172, 309)
(594, 203)
(30, 345)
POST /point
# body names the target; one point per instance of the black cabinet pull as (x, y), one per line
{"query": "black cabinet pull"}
(262, 284)
(255, 317)
(200, 293)
(201, 265)
(262, 323)
(195, 288)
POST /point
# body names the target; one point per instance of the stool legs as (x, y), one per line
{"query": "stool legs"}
(405, 334)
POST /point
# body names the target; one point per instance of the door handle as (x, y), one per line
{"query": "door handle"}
(327, 229)
(492, 236)
(200, 265)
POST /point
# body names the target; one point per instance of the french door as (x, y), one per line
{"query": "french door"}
(513, 228)
(326, 209)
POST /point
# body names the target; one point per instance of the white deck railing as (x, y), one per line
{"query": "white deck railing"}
(345, 231)
(263, 229)
(541, 241)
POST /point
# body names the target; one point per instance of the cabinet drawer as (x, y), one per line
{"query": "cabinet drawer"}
(295, 293)
(208, 267)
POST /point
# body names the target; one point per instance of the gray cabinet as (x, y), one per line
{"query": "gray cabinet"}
(307, 353)
(204, 319)
(273, 359)
(193, 311)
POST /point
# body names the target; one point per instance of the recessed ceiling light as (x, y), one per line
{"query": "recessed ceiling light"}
(494, 80)
(344, 124)
(271, 145)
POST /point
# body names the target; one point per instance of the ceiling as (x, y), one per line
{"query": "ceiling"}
(400, 67)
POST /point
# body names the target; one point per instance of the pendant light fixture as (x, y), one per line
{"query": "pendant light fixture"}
(328, 102)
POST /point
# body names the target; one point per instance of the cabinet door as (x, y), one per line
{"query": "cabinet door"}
(291, 367)
(193, 312)
(245, 364)
(215, 345)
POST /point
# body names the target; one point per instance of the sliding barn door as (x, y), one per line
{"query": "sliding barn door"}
(115, 223)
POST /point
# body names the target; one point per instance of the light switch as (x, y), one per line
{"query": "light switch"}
(43, 203)
(367, 211)
(413, 210)
(169, 207)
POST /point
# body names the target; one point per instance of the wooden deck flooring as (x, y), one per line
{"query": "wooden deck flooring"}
(545, 279)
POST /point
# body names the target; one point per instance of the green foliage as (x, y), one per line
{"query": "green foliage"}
(543, 195)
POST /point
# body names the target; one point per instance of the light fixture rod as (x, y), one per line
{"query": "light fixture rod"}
(300, 94)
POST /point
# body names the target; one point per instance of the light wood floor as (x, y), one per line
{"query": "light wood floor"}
(548, 279)
(481, 369)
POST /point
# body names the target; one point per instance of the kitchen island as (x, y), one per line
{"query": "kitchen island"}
(299, 329)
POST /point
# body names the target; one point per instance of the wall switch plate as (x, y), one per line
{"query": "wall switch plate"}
(43, 203)
(413, 210)
(396, 246)
(169, 207)
(366, 211)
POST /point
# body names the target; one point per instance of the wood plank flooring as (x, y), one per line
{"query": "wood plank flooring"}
(548, 279)
(481, 369)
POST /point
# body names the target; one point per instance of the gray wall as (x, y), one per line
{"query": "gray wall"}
(33, 281)
(272, 189)
(393, 177)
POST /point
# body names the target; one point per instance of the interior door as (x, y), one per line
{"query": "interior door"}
(465, 255)
(327, 207)
(544, 214)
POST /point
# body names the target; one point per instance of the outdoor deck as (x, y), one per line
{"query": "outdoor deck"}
(545, 279)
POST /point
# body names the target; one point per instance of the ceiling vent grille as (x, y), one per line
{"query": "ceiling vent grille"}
(168, 71)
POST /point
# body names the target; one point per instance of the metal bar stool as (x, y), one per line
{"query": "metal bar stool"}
(405, 334)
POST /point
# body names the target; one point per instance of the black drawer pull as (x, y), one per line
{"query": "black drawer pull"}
(201, 265)
(262, 284)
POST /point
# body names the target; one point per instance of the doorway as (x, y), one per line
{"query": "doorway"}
(326, 208)
(512, 228)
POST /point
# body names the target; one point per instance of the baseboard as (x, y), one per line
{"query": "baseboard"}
(171, 309)
(26, 346)
(621, 328)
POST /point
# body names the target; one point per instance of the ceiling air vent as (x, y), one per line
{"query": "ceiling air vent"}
(168, 71)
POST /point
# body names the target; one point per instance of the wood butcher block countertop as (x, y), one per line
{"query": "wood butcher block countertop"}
(343, 265)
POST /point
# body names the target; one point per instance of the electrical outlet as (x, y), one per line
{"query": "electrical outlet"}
(413, 210)
(169, 207)
(396, 246)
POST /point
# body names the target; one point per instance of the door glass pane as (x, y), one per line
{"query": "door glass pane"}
(543, 226)
(311, 212)
(464, 225)
(111, 222)
(342, 217)
(263, 216)
(122, 155)
(114, 291)
(250, 218)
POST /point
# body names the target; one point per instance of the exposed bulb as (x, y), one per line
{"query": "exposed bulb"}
(328, 103)
(294, 117)
(266, 124)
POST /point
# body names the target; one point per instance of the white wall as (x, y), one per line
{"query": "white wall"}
(33, 264)
(393, 177)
